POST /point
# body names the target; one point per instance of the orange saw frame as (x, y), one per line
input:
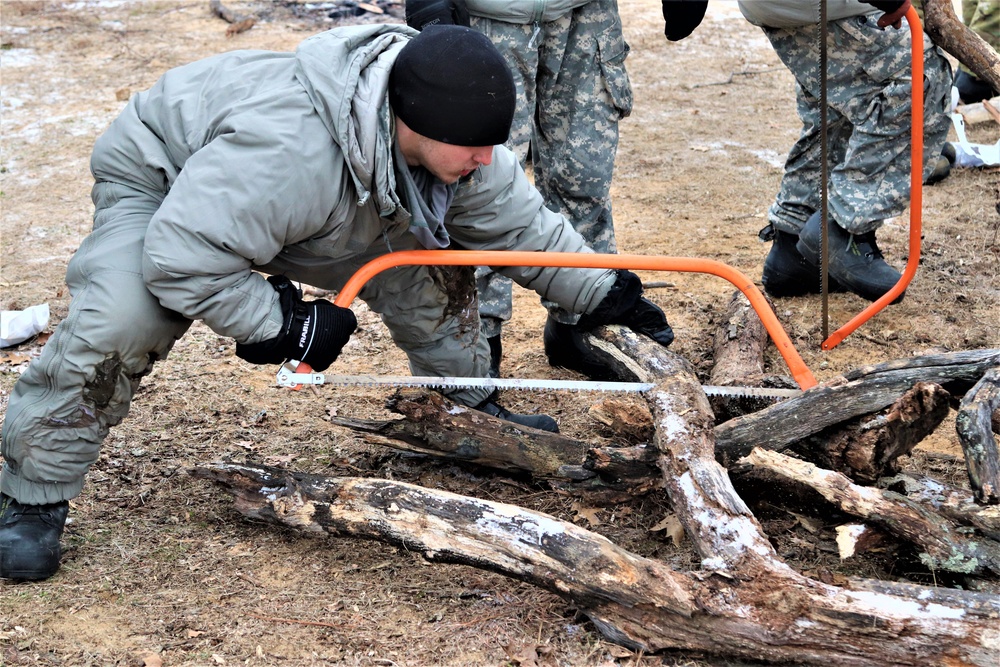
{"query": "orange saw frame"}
(800, 372)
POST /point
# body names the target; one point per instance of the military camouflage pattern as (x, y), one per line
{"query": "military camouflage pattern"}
(868, 94)
(983, 18)
(572, 91)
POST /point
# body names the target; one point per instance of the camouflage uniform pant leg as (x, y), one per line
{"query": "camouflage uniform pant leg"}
(514, 41)
(869, 92)
(983, 18)
(583, 92)
(572, 90)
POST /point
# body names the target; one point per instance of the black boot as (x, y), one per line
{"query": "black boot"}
(565, 348)
(540, 422)
(941, 171)
(855, 259)
(786, 271)
(29, 538)
(496, 354)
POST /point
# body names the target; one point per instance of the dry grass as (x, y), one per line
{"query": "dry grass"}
(160, 566)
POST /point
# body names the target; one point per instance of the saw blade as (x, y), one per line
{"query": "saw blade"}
(288, 378)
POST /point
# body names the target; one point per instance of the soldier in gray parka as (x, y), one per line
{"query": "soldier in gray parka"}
(303, 166)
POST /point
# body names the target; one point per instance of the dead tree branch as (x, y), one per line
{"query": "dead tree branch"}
(944, 546)
(975, 426)
(763, 611)
(948, 32)
(862, 391)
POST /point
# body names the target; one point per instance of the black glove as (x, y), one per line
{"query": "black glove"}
(624, 304)
(312, 331)
(422, 13)
(681, 17)
(894, 11)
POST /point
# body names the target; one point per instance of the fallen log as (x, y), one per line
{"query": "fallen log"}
(438, 427)
(738, 345)
(767, 612)
(948, 32)
(861, 391)
(975, 425)
(979, 112)
(744, 602)
(959, 505)
(238, 22)
(867, 448)
(738, 353)
(943, 545)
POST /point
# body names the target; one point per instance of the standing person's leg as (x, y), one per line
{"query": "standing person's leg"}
(786, 271)
(516, 43)
(872, 181)
(63, 406)
(583, 93)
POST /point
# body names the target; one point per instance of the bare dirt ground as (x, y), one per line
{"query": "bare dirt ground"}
(160, 569)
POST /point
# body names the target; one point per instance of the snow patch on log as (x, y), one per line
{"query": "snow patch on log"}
(911, 610)
(502, 521)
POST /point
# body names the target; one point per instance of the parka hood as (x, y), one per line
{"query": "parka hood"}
(346, 74)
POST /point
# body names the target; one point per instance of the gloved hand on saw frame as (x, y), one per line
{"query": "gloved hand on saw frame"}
(422, 13)
(624, 304)
(894, 10)
(681, 17)
(313, 331)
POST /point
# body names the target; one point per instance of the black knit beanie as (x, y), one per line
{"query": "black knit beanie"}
(450, 84)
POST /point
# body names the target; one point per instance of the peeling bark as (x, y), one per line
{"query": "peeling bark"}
(944, 546)
(761, 611)
(974, 424)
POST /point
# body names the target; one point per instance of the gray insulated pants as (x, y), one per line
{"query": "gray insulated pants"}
(63, 406)
(572, 89)
(868, 122)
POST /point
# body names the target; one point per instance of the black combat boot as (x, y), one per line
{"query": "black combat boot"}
(540, 422)
(565, 348)
(496, 354)
(855, 259)
(29, 538)
(786, 271)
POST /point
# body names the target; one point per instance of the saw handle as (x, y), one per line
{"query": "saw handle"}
(301, 367)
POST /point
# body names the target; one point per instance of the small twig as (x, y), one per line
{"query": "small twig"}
(732, 75)
(992, 110)
(321, 624)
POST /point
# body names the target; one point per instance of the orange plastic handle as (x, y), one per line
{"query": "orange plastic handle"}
(803, 376)
(916, 185)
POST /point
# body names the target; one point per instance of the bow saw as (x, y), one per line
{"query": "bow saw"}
(297, 374)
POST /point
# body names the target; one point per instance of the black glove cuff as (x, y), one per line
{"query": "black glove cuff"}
(272, 351)
(681, 17)
(419, 15)
(887, 6)
(620, 300)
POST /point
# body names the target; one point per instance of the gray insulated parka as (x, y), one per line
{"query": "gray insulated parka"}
(523, 11)
(796, 13)
(283, 162)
